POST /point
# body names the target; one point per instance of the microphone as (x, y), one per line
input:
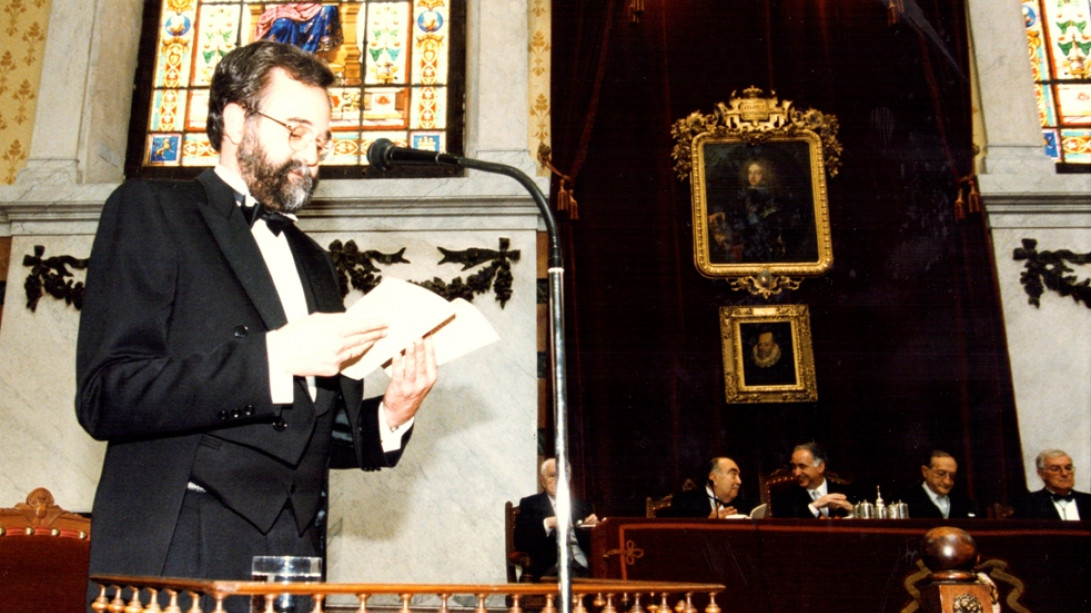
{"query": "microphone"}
(384, 155)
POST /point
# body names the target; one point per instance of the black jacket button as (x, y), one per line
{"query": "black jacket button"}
(280, 425)
(236, 413)
(249, 410)
(224, 415)
(241, 331)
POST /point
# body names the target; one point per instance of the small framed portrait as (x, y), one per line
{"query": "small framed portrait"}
(767, 354)
(760, 207)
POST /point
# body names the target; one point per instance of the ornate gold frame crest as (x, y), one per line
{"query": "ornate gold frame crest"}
(758, 168)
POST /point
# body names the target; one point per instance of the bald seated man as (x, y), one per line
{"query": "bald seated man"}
(719, 499)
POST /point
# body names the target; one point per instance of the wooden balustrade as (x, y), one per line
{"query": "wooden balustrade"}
(130, 594)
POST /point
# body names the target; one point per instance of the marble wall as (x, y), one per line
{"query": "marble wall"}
(1024, 197)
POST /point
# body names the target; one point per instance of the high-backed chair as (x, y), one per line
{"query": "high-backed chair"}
(652, 506)
(515, 561)
(782, 477)
(43, 556)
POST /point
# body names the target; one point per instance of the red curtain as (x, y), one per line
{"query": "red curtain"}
(908, 341)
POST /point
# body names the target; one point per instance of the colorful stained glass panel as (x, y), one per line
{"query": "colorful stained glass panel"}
(1059, 47)
(390, 57)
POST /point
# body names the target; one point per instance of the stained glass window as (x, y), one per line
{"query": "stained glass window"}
(398, 65)
(1059, 39)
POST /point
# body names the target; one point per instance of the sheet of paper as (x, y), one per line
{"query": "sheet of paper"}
(410, 312)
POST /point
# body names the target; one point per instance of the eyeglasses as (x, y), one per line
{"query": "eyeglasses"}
(1058, 469)
(301, 137)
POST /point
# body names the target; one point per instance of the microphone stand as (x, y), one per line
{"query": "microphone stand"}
(560, 417)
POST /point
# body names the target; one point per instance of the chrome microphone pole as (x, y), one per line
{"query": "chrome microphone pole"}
(564, 529)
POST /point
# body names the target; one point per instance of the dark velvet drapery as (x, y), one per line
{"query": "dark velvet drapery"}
(908, 341)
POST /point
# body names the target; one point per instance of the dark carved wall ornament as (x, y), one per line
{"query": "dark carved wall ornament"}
(355, 269)
(52, 276)
(1047, 270)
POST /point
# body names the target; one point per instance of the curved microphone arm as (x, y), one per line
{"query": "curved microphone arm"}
(560, 409)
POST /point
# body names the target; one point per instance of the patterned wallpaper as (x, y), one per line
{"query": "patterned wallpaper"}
(539, 102)
(23, 23)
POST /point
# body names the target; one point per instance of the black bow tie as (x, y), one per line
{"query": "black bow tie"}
(276, 221)
(1060, 497)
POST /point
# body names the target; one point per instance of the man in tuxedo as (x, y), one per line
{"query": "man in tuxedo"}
(211, 341)
(536, 525)
(1058, 499)
(719, 499)
(934, 497)
(816, 496)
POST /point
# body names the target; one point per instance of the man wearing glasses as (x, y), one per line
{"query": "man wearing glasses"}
(935, 496)
(211, 341)
(1058, 499)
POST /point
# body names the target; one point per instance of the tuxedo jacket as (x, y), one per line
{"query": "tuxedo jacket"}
(172, 372)
(531, 537)
(1039, 505)
(696, 503)
(922, 507)
(793, 501)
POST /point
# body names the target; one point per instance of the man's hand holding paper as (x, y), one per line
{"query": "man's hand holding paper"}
(320, 344)
(411, 313)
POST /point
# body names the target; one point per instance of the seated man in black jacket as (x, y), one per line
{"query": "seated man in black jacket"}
(934, 497)
(1058, 499)
(719, 499)
(816, 496)
(536, 525)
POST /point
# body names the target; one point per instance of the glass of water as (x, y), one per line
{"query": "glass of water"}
(285, 569)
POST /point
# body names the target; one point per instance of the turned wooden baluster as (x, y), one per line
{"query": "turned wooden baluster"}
(363, 603)
(194, 602)
(712, 606)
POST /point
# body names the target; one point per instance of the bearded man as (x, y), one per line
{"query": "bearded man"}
(211, 342)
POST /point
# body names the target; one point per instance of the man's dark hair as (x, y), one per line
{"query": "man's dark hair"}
(817, 453)
(243, 74)
(935, 453)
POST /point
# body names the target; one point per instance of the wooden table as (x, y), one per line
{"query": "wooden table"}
(836, 565)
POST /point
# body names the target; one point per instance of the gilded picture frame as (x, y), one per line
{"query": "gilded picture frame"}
(758, 170)
(768, 354)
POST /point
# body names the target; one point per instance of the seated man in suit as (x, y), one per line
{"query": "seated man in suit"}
(719, 499)
(535, 528)
(933, 498)
(1057, 500)
(816, 496)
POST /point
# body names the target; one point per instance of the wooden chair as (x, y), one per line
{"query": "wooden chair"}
(999, 510)
(652, 506)
(782, 477)
(43, 556)
(517, 562)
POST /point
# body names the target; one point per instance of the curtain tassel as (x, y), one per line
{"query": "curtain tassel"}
(974, 199)
(894, 12)
(960, 204)
(566, 201)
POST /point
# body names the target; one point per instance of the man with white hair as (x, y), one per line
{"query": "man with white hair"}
(536, 528)
(1058, 499)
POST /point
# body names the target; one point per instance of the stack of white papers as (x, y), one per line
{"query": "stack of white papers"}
(411, 312)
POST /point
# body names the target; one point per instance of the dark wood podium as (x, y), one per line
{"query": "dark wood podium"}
(837, 565)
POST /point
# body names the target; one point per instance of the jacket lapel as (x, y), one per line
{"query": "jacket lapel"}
(233, 236)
